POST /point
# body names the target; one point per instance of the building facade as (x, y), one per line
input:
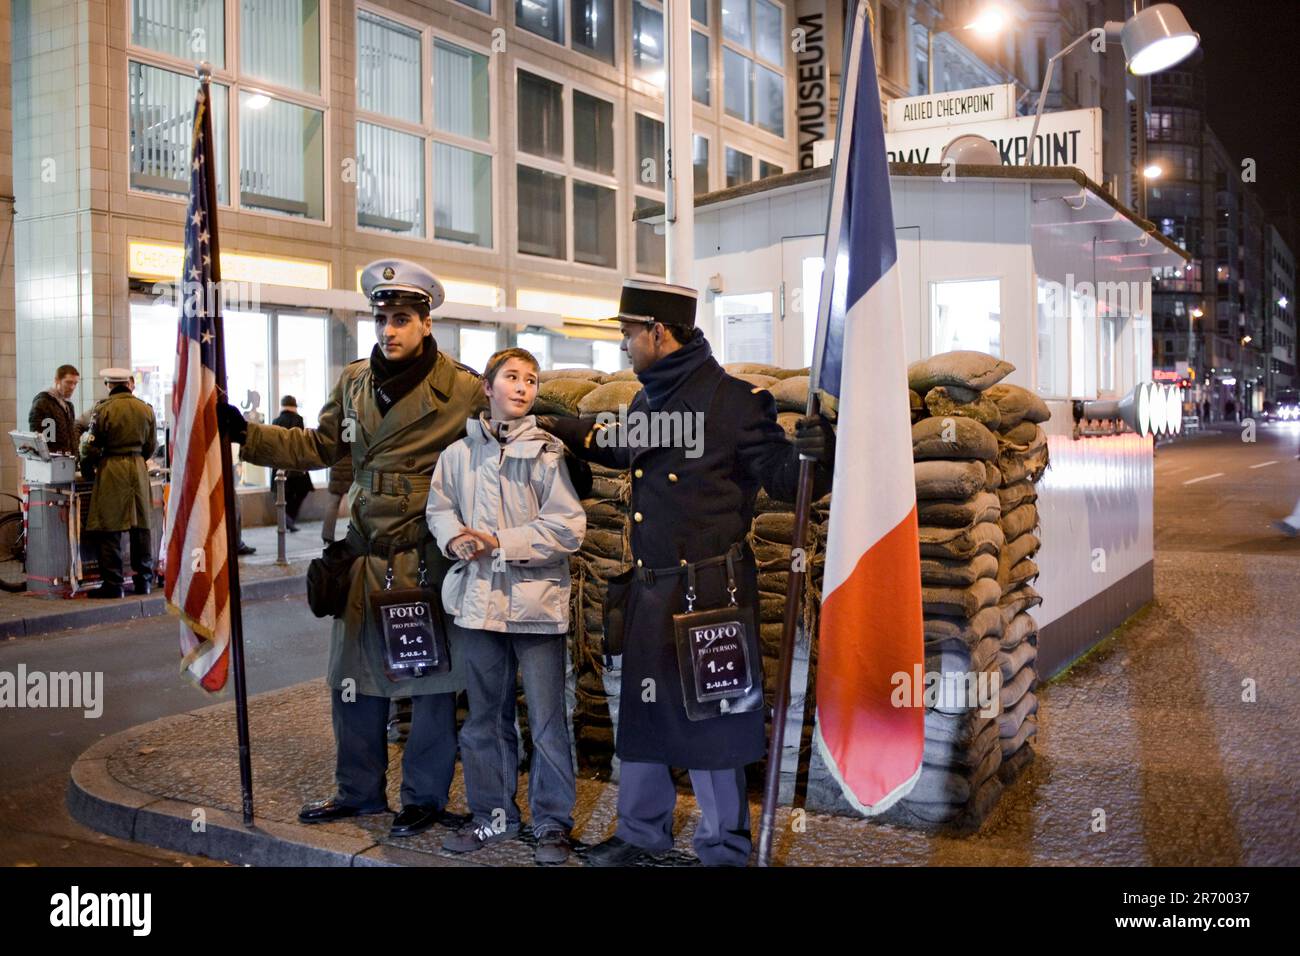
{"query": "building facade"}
(1280, 315)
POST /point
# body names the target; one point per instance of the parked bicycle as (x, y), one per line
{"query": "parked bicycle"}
(13, 548)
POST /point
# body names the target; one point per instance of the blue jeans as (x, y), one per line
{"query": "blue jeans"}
(489, 743)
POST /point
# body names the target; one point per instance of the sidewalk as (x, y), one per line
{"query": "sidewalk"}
(28, 615)
(1148, 737)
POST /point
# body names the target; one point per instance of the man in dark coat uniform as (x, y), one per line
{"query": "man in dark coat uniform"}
(52, 414)
(122, 437)
(297, 484)
(690, 505)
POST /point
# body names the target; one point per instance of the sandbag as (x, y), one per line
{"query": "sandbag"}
(959, 729)
(1017, 404)
(957, 631)
(993, 477)
(950, 784)
(1027, 730)
(915, 404)
(1017, 687)
(1023, 571)
(938, 572)
(739, 369)
(1016, 758)
(1019, 521)
(948, 479)
(970, 370)
(791, 393)
(1019, 548)
(946, 657)
(961, 602)
(1016, 466)
(756, 380)
(946, 400)
(1018, 493)
(787, 421)
(587, 374)
(775, 527)
(983, 538)
(958, 512)
(1010, 721)
(790, 372)
(1025, 437)
(608, 397)
(952, 437)
(561, 396)
(1012, 661)
(1017, 601)
(943, 753)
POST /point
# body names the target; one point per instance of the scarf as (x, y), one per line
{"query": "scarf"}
(391, 381)
(665, 376)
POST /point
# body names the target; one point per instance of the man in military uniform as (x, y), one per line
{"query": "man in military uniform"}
(122, 437)
(393, 414)
(690, 506)
(53, 407)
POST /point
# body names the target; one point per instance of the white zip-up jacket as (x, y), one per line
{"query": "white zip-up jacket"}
(518, 488)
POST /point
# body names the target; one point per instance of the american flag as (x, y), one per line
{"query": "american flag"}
(198, 570)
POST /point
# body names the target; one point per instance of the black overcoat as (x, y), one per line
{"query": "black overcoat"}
(691, 508)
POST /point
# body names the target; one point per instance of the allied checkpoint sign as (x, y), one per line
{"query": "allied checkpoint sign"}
(956, 108)
(1069, 138)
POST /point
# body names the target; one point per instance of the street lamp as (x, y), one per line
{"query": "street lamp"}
(1153, 171)
(1153, 39)
(991, 21)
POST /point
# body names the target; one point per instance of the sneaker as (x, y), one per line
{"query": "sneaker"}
(552, 848)
(476, 836)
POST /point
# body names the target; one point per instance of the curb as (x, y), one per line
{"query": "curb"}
(98, 800)
(151, 606)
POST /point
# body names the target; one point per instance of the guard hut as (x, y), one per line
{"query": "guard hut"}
(1037, 265)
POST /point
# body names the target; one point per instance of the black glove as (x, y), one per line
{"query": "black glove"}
(232, 423)
(814, 437)
(579, 474)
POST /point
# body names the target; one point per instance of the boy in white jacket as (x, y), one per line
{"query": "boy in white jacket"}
(502, 504)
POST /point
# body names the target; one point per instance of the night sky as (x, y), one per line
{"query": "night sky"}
(1252, 74)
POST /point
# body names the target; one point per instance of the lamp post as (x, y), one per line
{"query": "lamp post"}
(1153, 39)
(990, 22)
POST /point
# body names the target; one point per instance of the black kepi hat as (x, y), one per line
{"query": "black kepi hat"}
(649, 302)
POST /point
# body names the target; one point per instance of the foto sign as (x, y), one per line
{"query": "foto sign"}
(1070, 138)
(956, 108)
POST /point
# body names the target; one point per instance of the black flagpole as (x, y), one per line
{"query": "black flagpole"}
(227, 468)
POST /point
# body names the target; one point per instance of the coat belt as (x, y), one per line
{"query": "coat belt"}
(391, 482)
(647, 575)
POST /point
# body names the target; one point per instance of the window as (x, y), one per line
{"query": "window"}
(482, 6)
(966, 314)
(462, 194)
(700, 149)
(1109, 343)
(593, 28)
(280, 42)
(390, 180)
(700, 86)
(740, 167)
(745, 321)
(648, 42)
(606, 356)
(186, 29)
(1083, 343)
(389, 72)
(753, 58)
(700, 11)
(161, 107)
(461, 102)
(281, 156)
(650, 242)
(649, 151)
(538, 344)
(476, 347)
(543, 17)
(555, 205)
(766, 169)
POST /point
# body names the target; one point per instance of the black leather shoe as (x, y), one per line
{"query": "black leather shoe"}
(105, 592)
(323, 811)
(415, 819)
(142, 585)
(246, 549)
(616, 852)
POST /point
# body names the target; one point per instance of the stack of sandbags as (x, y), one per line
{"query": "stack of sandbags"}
(954, 450)
(1022, 458)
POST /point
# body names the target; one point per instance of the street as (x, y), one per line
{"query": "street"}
(139, 660)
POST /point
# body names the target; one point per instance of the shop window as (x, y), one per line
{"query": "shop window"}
(648, 42)
(543, 17)
(248, 378)
(476, 347)
(389, 70)
(966, 314)
(280, 42)
(740, 167)
(161, 106)
(650, 242)
(187, 29)
(745, 321)
(390, 180)
(302, 369)
(593, 28)
(281, 156)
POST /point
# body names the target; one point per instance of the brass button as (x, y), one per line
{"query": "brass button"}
(361, 500)
(638, 473)
(402, 506)
(671, 476)
(682, 562)
(638, 562)
(637, 517)
(410, 462)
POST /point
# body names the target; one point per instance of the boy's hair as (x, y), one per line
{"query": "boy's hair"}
(500, 358)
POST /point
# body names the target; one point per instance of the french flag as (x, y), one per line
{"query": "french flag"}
(871, 626)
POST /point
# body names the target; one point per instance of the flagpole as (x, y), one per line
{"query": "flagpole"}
(227, 467)
(803, 498)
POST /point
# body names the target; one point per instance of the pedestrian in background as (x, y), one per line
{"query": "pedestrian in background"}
(503, 506)
(53, 415)
(297, 484)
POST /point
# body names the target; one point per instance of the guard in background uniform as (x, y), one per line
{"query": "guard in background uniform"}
(122, 436)
(393, 414)
(687, 509)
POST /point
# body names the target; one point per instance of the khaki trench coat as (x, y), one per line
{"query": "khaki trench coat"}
(382, 504)
(124, 437)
